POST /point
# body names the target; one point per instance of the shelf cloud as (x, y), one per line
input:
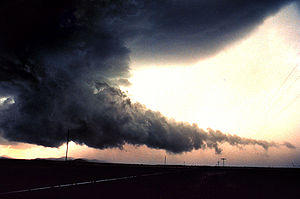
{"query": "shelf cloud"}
(61, 62)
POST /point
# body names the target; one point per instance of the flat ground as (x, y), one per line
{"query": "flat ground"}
(142, 181)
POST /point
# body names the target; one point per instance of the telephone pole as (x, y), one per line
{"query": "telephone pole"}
(68, 138)
(223, 159)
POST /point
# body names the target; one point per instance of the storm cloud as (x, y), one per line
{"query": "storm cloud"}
(61, 62)
(179, 31)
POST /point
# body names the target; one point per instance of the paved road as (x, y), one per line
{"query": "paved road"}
(82, 183)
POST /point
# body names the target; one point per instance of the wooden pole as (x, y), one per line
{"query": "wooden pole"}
(68, 138)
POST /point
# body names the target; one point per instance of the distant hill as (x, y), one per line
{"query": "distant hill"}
(63, 159)
(73, 159)
(5, 157)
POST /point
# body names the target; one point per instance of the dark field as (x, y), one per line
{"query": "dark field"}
(145, 181)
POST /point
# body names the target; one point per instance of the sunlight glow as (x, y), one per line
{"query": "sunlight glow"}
(237, 90)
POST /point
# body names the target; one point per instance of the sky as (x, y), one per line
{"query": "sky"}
(241, 84)
(137, 81)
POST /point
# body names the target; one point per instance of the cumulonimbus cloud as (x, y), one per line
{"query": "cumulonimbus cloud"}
(61, 62)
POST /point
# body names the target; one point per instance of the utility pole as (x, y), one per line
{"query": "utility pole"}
(68, 138)
(218, 163)
(223, 159)
(293, 164)
(165, 160)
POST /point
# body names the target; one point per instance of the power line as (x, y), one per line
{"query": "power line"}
(295, 67)
(292, 102)
(279, 91)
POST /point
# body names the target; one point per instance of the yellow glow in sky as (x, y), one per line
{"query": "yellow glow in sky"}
(236, 91)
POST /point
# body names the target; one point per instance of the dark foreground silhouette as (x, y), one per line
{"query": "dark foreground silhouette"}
(81, 179)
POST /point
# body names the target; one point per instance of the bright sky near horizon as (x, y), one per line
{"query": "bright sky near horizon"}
(238, 90)
(250, 89)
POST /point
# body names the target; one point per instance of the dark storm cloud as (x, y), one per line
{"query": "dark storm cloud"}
(60, 61)
(4, 141)
(289, 145)
(179, 31)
